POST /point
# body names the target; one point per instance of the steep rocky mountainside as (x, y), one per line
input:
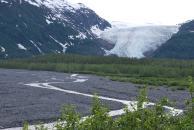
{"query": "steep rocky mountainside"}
(33, 27)
(180, 45)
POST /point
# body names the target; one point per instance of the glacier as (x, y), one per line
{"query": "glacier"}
(135, 41)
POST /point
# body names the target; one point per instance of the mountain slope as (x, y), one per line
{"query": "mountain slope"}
(181, 45)
(33, 27)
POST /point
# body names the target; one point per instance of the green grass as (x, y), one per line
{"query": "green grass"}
(178, 83)
(158, 72)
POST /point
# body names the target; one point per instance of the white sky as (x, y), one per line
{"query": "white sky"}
(142, 11)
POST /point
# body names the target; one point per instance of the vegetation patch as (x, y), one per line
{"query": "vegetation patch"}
(157, 72)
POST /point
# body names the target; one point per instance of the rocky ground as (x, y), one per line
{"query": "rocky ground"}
(36, 96)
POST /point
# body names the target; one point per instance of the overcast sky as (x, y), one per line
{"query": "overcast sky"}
(142, 11)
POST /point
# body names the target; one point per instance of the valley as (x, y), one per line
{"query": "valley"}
(64, 66)
(38, 96)
(36, 27)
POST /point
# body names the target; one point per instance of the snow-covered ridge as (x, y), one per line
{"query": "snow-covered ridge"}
(56, 4)
(134, 41)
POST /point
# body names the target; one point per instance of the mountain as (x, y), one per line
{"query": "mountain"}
(180, 45)
(38, 27)
(136, 41)
(34, 27)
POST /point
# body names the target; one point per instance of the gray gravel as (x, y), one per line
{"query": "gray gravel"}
(19, 103)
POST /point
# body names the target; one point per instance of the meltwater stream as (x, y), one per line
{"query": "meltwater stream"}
(131, 105)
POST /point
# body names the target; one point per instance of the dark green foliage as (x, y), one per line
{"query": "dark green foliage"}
(25, 126)
(191, 102)
(41, 127)
(69, 119)
(99, 120)
(156, 72)
(141, 99)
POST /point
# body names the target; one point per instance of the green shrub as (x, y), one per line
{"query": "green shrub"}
(154, 118)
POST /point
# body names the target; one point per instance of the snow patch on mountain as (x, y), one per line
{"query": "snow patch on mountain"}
(81, 36)
(134, 41)
(33, 3)
(96, 30)
(57, 8)
(71, 37)
(20, 46)
(48, 21)
(3, 1)
(2, 49)
(78, 6)
(64, 46)
(40, 51)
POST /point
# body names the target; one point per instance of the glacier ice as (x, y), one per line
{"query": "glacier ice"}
(135, 41)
